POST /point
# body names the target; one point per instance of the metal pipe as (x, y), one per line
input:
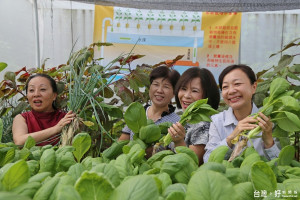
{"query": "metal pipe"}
(38, 60)
(103, 36)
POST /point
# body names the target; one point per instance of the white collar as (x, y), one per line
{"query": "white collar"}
(229, 117)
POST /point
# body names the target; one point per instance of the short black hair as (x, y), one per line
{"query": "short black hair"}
(165, 72)
(245, 68)
(208, 83)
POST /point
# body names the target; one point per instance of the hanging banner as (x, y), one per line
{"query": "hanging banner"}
(206, 39)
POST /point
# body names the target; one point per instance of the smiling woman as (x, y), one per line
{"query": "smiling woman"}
(194, 84)
(238, 85)
(161, 92)
(44, 122)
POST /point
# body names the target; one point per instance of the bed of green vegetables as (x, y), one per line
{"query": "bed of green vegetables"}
(123, 173)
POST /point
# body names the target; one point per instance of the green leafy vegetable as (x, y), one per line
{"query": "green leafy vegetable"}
(123, 165)
(27, 189)
(179, 166)
(114, 150)
(7, 155)
(159, 156)
(164, 127)
(67, 192)
(30, 142)
(262, 177)
(64, 180)
(195, 112)
(47, 162)
(244, 190)
(39, 177)
(292, 185)
(93, 185)
(135, 117)
(213, 166)
(46, 190)
(218, 154)
(150, 133)
(2, 66)
(33, 167)
(165, 180)
(286, 155)
(64, 161)
(176, 191)
(209, 185)
(278, 106)
(250, 159)
(136, 188)
(12, 196)
(16, 175)
(82, 142)
(76, 170)
(136, 154)
(188, 151)
(110, 172)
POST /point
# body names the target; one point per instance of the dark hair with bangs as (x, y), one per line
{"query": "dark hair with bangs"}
(166, 73)
(245, 68)
(208, 83)
(209, 86)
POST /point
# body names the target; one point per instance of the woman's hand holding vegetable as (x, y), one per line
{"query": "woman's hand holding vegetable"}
(64, 121)
(247, 123)
(266, 126)
(177, 132)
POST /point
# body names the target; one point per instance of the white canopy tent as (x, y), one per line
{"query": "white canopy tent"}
(203, 5)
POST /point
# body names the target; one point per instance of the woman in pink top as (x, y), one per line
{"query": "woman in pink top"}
(44, 122)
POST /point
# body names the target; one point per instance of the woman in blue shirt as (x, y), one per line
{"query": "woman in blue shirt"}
(238, 85)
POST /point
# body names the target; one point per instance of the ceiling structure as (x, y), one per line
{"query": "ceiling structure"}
(202, 5)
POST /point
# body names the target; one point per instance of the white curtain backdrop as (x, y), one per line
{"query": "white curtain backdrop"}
(265, 33)
(64, 26)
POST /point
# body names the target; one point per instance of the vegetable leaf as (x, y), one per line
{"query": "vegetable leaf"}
(82, 142)
(278, 86)
(196, 112)
(288, 121)
(30, 142)
(286, 155)
(136, 188)
(16, 175)
(135, 117)
(262, 177)
(92, 185)
(208, 185)
(218, 154)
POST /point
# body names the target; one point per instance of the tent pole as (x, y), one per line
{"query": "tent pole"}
(37, 34)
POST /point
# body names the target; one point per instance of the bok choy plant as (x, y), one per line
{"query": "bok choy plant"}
(282, 106)
(196, 112)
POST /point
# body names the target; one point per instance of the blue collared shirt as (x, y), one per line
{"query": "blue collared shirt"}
(223, 125)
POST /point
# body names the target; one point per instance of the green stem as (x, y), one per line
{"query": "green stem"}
(167, 139)
(254, 132)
